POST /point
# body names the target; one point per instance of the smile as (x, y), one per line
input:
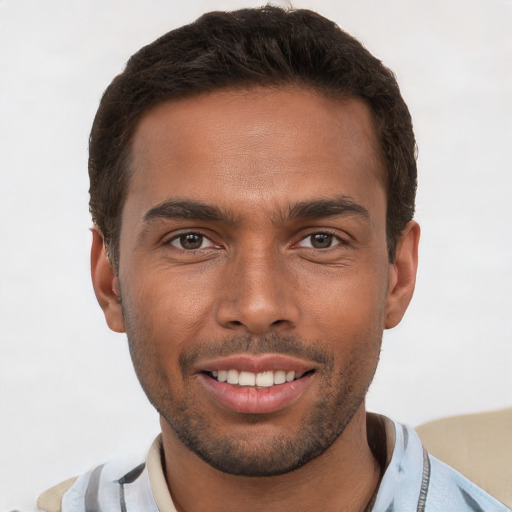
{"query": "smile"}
(261, 380)
(256, 384)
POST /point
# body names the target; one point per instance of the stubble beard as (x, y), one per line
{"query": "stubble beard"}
(264, 455)
(248, 453)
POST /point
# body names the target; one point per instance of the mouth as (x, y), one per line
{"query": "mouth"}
(256, 384)
(264, 379)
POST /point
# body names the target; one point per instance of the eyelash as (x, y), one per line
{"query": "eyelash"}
(185, 234)
(334, 239)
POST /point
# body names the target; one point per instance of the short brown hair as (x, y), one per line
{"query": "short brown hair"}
(268, 46)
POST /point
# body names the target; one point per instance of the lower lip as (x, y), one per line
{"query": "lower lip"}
(251, 400)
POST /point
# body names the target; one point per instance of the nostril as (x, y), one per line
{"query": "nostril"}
(275, 323)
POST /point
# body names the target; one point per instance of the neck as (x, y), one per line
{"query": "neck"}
(344, 477)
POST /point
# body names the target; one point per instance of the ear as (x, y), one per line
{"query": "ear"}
(402, 275)
(105, 283)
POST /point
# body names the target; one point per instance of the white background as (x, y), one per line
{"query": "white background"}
(68, 395)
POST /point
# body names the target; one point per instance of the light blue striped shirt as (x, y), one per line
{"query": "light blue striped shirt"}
(414, 481)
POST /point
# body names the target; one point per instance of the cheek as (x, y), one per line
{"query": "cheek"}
(347, 301)
(170, 307)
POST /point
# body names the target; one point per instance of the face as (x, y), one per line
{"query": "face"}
(253, 272)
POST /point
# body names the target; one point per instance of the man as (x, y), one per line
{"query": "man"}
(252, 192)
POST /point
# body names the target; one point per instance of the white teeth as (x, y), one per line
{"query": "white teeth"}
(265, 379)
(279, 377)
(247, 379)
(262, 379)
(232, 377)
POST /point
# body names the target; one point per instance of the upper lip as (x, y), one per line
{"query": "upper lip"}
(256, 363)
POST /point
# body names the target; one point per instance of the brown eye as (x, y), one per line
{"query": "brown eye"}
(188, 241)
(320, 240)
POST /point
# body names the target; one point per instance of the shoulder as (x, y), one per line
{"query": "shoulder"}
(450, 490)
(416, 480)
(477, 445)
(51, 500)
(108, 487)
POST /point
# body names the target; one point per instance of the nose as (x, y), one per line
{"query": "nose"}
(258, 295)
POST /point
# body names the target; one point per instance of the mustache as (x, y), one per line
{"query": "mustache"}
(243, 344)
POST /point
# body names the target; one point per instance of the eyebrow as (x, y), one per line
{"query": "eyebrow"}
(340, 206)
(304, 210)
(186, 209)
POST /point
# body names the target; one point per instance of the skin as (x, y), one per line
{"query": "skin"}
(269, 276)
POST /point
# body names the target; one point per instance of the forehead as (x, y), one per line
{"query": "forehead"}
(255, 146)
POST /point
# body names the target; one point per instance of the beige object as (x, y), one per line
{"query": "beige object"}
(50, 500)
(477, 445)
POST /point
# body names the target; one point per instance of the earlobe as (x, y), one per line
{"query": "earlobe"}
(105, 283)
(402, 275)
